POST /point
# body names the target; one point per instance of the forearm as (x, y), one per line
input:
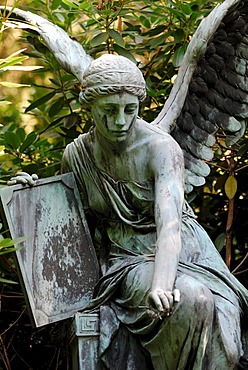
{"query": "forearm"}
(166, 260)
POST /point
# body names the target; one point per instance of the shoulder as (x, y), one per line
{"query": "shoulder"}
(157, 140)
(80, 141)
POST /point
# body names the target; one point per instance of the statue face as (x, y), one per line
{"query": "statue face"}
(114, 115)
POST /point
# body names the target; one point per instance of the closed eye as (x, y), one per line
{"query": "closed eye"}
(130, 110)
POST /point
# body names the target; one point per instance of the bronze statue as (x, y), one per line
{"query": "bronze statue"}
(164, 286)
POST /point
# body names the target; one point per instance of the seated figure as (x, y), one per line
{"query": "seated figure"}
(164, 285)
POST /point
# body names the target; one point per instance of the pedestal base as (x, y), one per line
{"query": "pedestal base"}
(84, 342)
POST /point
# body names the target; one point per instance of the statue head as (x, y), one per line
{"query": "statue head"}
(111, 74)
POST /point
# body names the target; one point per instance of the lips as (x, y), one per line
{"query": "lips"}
(119, 132)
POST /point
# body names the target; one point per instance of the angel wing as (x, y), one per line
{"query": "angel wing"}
(68, 52)
(211, 89)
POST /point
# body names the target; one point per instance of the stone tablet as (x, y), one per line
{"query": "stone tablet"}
(57, 263)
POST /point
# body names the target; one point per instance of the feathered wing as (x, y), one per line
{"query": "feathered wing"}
(211, 90)
(68, 52)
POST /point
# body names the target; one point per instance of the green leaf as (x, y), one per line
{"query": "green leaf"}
(179, 35)
(5, 102)
(145, 22)
(31, 168)
(12, 140)
(12, 84)
(56, 4)
(231, 187)
(99, 39)
(56, 107)
(20, 132)
(6, 281)
(40, 101)
(243, 149)
(5, 243)
(71, 119)
(186, 9)
(160, 40)
(116, 37)
(30, 139)
(220, 241)
(7, 250)
(179, 15)
(11, 61)
(124, 53)
(16, 53)
(156, 30)
(85, 6)
(179, 54)
(23, 68)
(70, 3)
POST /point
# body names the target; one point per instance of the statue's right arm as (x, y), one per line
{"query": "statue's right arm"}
(23, 178)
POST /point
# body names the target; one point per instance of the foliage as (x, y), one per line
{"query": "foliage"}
(155, 35)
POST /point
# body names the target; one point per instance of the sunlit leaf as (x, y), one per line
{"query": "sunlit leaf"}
(4, 63)
(12, 84)
(7, 281)
(231, 187)
(70, 3)
(5, 102)
(22, 68)
(8, 242)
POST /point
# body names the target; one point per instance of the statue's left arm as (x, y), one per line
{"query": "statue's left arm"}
(166, 162)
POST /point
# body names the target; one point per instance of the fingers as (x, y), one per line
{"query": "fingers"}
(160, 300)
(164, 301)
(176, 295)
(23, 178)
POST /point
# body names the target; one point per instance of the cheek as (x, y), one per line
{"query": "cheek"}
(105, 121)
(132, 121)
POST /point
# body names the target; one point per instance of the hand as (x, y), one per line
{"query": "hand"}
(23, 178)
(163, 301)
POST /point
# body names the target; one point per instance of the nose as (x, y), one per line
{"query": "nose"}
(120, 118)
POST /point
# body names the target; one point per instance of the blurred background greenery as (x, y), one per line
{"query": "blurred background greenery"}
(40, 114)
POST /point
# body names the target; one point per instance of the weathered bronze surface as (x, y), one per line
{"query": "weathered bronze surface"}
(57, 262)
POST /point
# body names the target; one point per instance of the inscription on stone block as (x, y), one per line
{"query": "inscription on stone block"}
(57, 263)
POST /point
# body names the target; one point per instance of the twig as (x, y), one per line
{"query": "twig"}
(241, 272)
(240, 264)
(229, 224)
(18, 318)
(4, 355)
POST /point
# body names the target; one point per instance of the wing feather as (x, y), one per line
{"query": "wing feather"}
(67, 51)
(212, 90)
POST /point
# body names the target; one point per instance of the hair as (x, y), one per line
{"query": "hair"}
(111, 74)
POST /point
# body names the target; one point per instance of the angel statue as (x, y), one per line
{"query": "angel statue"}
(168, 299)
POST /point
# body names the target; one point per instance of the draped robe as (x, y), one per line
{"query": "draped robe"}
(204, 331)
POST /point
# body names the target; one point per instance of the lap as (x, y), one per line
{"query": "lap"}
(137, 284)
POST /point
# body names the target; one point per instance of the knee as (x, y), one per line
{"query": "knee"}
(197, 298)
